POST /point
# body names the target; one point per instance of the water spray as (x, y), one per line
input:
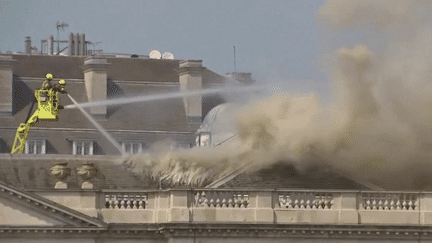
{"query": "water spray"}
(173, 95)
(98, 126)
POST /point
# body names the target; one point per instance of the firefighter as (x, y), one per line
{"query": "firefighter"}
(61, 86)
(47, 83)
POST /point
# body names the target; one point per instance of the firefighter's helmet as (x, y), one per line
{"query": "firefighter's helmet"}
(62, 82)
(49, 76)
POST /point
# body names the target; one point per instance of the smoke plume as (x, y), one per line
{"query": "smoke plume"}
(377, 127)
(383, 14)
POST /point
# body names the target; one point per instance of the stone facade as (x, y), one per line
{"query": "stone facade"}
(201, 215)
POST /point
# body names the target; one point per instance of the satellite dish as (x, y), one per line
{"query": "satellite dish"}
(155, 54)
(168, 55)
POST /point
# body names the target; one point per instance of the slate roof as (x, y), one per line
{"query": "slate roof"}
(285, 176)
(148, 121)
(161, 115)
(32, 172)
(69, 67)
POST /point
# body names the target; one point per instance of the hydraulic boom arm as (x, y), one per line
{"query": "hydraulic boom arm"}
(48, 107)
(21, 136)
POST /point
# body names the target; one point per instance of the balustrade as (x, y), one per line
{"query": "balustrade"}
(306, 200)
(280, 206)
(389, 201)
(125, 200)
(221, 199)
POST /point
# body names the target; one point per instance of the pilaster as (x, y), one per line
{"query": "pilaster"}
(179, 206)
(346, 204)
(262, 202)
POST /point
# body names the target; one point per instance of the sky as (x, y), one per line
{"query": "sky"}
(275, 40)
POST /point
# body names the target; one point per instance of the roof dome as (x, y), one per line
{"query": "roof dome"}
(218, 122)
(214, 113)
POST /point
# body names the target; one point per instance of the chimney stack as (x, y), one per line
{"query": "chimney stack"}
(95, 79)
(51, 45)
(28, 48)
(71, 45)
(82, 46)
(6, 80)
(190, 77)
(76, 44)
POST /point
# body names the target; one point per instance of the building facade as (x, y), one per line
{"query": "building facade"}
(136, 126)
(67, 198)
(71, 185)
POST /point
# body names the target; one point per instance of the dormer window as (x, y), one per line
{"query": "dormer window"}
(82, 147)
(35, 146)
(132, 147)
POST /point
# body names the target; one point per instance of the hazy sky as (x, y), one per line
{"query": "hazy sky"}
(273, 39)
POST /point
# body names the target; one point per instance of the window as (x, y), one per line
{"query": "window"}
(82, 147)
(132, 147)
(35, 146)
(204, 139)
(176, 145)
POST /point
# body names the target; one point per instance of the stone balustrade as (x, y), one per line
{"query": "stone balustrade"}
(305, 200)
(125, 200)
(252, 206)
(221, 199)
(389, 201)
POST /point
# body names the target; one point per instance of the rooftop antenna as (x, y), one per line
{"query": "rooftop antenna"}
(58, 26)
(94, 46)
(234, 60)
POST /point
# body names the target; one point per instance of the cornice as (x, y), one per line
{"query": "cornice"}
(87, 130)
(48, 230)
(94, 67)
(173, 230)
(7, 61)
(297, 231)
(130, 82)
(190, 70)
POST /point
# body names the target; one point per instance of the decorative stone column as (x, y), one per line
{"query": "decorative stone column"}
(190, 78)
(95, 79)
(61, 172)
(87, 172)
(6, 82)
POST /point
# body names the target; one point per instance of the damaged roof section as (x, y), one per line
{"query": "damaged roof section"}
(33, 172)
(284, 175)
